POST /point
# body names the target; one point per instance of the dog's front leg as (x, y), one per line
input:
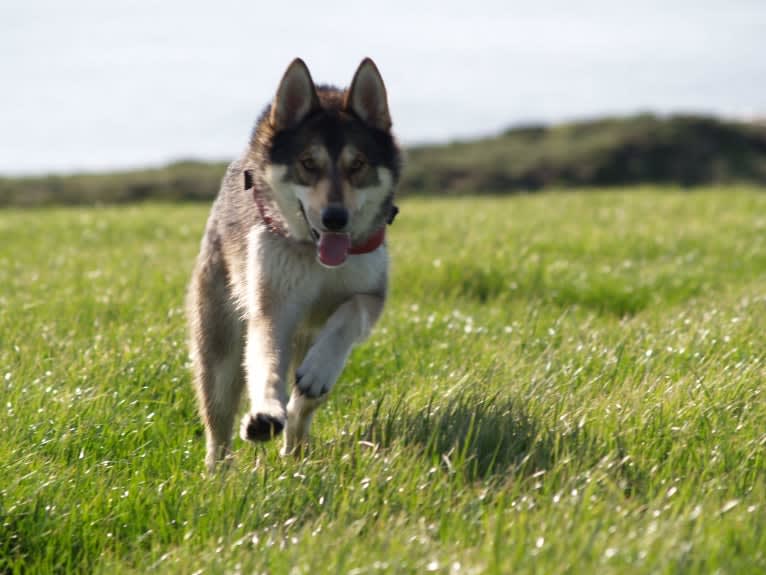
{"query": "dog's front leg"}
(351, 323)
(267, 358)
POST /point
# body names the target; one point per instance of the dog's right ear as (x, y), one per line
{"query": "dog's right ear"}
(296, 97)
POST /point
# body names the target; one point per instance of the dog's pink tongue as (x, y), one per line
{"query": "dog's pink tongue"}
(333, 248)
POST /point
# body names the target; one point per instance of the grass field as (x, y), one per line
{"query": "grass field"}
(561, 383)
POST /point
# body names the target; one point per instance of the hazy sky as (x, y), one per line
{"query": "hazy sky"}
(103, 84)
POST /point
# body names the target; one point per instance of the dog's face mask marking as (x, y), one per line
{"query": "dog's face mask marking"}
(333, 159)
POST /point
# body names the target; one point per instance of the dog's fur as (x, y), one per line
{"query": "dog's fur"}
(260, 300)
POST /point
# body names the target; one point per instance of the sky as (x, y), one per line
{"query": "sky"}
(96, 85)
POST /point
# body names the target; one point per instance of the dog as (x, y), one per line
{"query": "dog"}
(293, 268)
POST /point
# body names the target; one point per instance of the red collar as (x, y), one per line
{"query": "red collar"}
(276, 227)
(372, 243)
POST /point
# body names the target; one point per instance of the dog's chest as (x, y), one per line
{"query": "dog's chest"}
(363, 274)
(298, 282)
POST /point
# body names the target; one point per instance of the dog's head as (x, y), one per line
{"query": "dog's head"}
(332, 161)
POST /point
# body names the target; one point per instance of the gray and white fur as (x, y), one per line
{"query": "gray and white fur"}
(276, 294)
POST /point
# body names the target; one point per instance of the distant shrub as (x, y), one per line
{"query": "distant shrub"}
(181, 181)
(644, 149)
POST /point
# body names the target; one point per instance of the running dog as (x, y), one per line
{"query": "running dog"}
(293, 268)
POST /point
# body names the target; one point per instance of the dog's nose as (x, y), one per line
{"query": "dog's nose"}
(334, 218)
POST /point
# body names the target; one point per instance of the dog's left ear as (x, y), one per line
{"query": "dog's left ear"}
(366, 97)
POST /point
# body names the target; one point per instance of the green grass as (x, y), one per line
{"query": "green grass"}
(561, 383)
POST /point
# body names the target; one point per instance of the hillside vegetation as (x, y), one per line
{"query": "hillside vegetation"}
(560, 383)
(680, 150)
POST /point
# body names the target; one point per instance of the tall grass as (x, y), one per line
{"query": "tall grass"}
(561, 383)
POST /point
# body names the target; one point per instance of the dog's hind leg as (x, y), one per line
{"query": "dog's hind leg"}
(300, 409)
(300, 412)
(351, 323)
(216, 348)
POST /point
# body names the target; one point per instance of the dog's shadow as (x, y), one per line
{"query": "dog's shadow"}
(480, 437)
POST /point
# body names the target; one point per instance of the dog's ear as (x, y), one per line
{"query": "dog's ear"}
(296, 97)
(366, 97)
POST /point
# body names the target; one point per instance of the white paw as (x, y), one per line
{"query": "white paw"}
(319, 371)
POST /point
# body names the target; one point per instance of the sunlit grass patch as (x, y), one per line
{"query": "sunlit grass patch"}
(560, 383)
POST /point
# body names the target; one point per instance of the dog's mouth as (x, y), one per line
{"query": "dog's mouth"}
(332, 247)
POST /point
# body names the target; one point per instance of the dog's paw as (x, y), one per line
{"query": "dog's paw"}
(261, 426)
(218, 466)
(298, 451)
(317, 374)
(218, 458)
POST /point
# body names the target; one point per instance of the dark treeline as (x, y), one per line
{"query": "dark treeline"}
(681, 150)
(646, 149)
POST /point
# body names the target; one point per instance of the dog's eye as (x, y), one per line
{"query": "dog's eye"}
(309, 164)
(358, 163)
